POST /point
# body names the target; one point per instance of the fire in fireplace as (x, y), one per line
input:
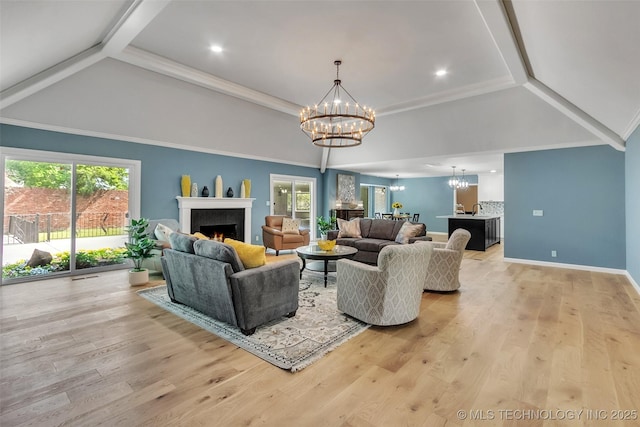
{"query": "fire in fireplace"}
(224, 222)
(220, 231)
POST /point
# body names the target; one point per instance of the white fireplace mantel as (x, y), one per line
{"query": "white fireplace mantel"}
(185, 204)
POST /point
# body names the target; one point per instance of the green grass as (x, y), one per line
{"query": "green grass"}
(60, 262)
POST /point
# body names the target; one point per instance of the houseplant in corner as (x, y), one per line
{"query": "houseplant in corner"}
(137, 249)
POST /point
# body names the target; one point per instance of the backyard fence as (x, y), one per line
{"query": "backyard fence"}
(34, 228)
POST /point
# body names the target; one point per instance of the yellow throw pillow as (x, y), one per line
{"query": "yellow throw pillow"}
(252, 256)
(290, 226)
(200, 236)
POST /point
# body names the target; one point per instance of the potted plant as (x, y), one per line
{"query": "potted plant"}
(323, 227)
(138, 249)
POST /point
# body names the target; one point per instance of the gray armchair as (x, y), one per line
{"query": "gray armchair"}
(210, 277)
(389, 293)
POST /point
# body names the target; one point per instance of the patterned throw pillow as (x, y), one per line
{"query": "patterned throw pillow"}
(349, 228)
(290, 226)
(408, 231)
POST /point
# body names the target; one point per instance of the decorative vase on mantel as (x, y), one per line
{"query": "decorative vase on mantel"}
(247, 188)
(205, 191)
(185, 185)
(230, 192)
(218, 193)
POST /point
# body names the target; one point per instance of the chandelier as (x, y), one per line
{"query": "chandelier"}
(463, 184)
(396, 187)
(459, 183)
(337, 120)
(453, 181)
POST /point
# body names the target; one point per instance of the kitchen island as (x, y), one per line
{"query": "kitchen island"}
(484, 229)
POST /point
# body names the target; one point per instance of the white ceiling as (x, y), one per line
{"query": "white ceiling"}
(523, 75)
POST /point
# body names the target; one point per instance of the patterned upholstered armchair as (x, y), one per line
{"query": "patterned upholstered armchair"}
(389, 293)
(444, 267)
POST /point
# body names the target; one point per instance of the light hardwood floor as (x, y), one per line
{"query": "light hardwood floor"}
(514, 342)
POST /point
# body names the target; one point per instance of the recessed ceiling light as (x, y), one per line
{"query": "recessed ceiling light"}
(441, 72)
(493, 171)
(216, 48)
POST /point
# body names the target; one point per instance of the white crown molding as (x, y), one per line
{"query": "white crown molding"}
(569, 266)
(133, 21)
(159, 64)
(574, 113)
(50, 76)
(457, 94)
(633, 125)
(497, 22)
(105, 135)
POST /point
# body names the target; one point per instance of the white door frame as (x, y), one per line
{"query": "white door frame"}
(293, 179)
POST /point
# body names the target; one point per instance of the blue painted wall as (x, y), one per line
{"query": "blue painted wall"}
(632, 171)
(163, 167)
(430, 197)
(582, 194)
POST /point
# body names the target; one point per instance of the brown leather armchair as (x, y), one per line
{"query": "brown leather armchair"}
(274, 238)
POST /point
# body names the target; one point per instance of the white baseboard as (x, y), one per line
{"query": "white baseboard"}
(633, 282)
(571, 266)
(439, 233)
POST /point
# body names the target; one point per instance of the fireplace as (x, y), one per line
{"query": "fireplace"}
(220, 232)
(198, 212)
(226, 221)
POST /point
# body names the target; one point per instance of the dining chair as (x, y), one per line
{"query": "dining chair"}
(416, 217)
(378, 215)
(387, 216)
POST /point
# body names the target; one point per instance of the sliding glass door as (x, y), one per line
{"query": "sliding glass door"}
(64, 214)
(294, 197)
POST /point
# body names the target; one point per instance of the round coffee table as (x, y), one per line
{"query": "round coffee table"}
(313, 252)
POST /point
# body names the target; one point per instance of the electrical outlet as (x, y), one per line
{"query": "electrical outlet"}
(538, 212)
(554, 254)
(257, 237)
(268, 203)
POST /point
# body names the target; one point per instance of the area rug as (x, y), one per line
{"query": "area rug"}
(289, 343)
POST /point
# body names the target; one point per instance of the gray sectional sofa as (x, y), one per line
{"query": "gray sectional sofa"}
(375, 235)
(209, 277)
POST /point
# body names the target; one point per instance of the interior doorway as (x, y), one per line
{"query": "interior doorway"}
(295, 197)
(467, 197)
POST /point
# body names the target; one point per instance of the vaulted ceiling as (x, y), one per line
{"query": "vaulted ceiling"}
(521, 75)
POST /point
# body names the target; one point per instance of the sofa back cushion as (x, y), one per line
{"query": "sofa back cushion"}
(384, 229)
(220, 252)
(274, 221)
(365, 226)
(182, 242)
